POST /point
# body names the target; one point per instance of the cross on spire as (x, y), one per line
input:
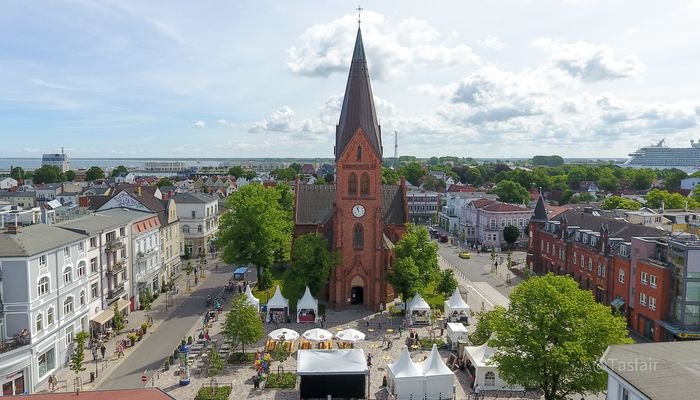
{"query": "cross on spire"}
(359, 14)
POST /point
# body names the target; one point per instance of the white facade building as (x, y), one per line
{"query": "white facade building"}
(7, 183)
(59, 161)
(199, 220)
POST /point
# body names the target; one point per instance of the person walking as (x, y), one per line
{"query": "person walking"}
(103, 350)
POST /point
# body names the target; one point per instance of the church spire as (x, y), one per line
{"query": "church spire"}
(358, 104)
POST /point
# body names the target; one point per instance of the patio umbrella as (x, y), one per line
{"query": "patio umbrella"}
(283, 334)
(317, 335)
(350, 335)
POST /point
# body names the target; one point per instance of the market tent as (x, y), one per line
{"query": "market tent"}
(307, 308)
(419, 310)
(485, 371)
(277, 307)
(456, 332)
(252, 300)
(338, 373)
(456, 309)
(439, 379)
(405, 379)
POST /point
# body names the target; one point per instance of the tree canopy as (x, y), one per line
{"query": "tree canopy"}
(413, 172)
(416, 261)
(48, 174)
(70, 175)
(389, 176)
(17, 173)
(243, 325)
(118, 170)
(257, 228)
(312, 262)
(446, 283)
(94, 173)
(550, 161)
(512, 192)
(511, 234)
(617, 202)
(552, 336)
(164, 182)
(656, 198)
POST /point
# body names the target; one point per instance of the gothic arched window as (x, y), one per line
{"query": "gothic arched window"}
(364, 184)
(358, 237)
(359, 153)
(352, 184)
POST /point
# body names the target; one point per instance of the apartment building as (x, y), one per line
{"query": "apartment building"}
(145, 253)
(423, 205)
(485, 220)
(199, 220)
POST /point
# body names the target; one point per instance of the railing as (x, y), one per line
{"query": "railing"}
(116, 292)
(118, 266)
(114, 245)
(15, 343)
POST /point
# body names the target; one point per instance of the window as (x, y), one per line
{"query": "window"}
(652, 281)
(81, 269)
(602, 269)
(94, 290)
(547, 248)
(590, 264)
(503, 224)
(642, 299)
(49, 316)
(66, 252)
(93, 264)
(81, 248)
(185, 229)
(69, 336)
(358, 239)
(352, 184)
(625, 395)
(645, 278)
(47, 362)
(364, 184)
(490, 379)
(42, 261)
(574, 258)
(68, 305)
(193, 214)
(39, 322)
(621, 276)
(122, 231)
(359, 153)
(111, 236)
(67, 275)
(123, 252)
(43, 286)
(82, 297)
(652, 303)
(93, 242)
(199, 228)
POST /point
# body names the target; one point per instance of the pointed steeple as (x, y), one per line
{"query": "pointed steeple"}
(540, 211)
(358, 104)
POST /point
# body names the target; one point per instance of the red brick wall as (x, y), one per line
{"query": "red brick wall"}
(660, 293)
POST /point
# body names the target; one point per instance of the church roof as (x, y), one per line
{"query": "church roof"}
(540, 211)
(314, 204)
(358, 104)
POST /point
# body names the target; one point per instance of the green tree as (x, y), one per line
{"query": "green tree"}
(243, 325)
(617, 202)
(329, 177)
(77, 359)
(389, 176)
(70, 176)
(296, 167)
(512, 192)
(47, 174)
(164, 182)
(17, 173)
(120, 169)
(118, 320)
(94, 173)
(312, 262)
(256, 229)
(447, 283)
(551, 161)
(415, 245)
(146, 299)
(511, 234)
(284, 174)
(216, 363)
(413, 172)
(642, 179)
(485, 325)
(236, 171)
(608, 181)
(552, 336)
(404, 276)
(656, 198)
(672, 179)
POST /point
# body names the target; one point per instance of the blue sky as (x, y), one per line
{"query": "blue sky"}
(266, 78)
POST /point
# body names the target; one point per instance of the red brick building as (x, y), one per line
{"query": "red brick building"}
(360, 217)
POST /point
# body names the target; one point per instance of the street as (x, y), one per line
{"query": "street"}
(161, 342)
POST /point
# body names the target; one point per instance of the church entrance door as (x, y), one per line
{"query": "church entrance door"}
(357, 295)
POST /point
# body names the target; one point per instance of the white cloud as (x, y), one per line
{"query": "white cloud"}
(491, 42)
(282, 120)
(199, 125)
(589, 62)
(392, 49)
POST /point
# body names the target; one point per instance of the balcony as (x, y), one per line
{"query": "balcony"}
(117, 267)
(117, 291)
(15, 342)
(114, 245)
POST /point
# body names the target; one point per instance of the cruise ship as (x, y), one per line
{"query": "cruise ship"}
(660, 156)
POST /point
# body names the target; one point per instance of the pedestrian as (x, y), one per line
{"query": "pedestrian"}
(216, 267)
(196, 280)
(400, 330)
(383, 340)
(94, 353)
(50, 382)
(477, 390)
(369, 360)
(388, 344)
(103, 350)
(367, 323)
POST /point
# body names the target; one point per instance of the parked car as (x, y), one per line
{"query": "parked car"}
(443, 238)
(465, 255)
(243, 273)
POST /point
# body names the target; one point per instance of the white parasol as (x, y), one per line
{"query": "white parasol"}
(284, 334)
(317, 335)
(350, 335)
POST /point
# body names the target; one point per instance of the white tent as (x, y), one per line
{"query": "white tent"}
(419, 310)
(439, 379)
(405, 379)
(307, 308)
(252, 300)
(455, 333)
(277, 307)
(456, 309)
(486, 371)
(334, 373)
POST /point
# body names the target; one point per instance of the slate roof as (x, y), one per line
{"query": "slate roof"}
(661, 371)
(616, 228)
(147, 199)
(314, 204)
(540, 210)
(35, 239)
(358, 104)
(102, 220)
(190, 198)
(504, 207)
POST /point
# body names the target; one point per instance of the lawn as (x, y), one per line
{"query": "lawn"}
(291, 290)
(434, 299)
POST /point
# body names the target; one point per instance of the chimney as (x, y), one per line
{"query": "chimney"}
(138, 190)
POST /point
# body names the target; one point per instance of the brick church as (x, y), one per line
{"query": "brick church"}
(361, 218)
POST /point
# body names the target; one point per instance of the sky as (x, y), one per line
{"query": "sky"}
(260, 78)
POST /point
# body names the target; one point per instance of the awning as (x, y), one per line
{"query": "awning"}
(617, 303)
(122, 304)
(103, 317)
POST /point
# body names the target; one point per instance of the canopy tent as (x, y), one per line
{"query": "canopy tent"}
(284, 337)
(456, 332)
(439, 378)
(456, 309)
(419, 310)
(484, 370)
(338, 373)
(307, 308)
(350, 335)
(252, 300)
(318, 336)
(405, 379)
(277, 307)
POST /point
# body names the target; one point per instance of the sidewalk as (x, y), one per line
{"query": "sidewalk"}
(480, 295)
(111, 360)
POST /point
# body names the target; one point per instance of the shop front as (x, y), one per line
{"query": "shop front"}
(15, 377)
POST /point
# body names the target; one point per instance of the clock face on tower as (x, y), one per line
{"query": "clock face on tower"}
(358, 210)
